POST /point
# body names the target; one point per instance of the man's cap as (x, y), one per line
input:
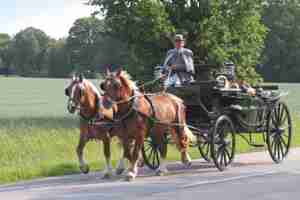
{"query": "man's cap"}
(179, 37)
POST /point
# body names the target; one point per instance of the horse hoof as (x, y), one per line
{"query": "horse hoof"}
(129, 178)
(120, 171)
(107, 176)
(85, 169)
(141, 164)
(188, 164)
(160, 173)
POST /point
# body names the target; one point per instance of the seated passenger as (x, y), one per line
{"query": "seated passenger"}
(179, 64)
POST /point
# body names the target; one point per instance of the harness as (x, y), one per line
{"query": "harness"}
(133, 110)
(93, 118)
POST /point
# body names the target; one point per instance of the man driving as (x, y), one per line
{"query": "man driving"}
(179, 64)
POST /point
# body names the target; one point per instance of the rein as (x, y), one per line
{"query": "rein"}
(78, 107)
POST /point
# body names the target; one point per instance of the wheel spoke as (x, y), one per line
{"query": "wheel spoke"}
(278, 113)
(149, 147)
(273, 120)
(283, 118)
(283, 142)
(225, 155)
(282, 150)
(272, 144)
(275, 149)
(150, 154)
(155, 158)
(278, 151)
(221, 158)
(207, 150)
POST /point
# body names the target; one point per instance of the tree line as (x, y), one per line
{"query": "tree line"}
(257, 35)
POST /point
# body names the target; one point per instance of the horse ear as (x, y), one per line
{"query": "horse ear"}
(74, 77)
(118, 72)
(108, 72)
(81, 77)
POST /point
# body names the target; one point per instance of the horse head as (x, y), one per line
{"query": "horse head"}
(118, 85)
(82, 94)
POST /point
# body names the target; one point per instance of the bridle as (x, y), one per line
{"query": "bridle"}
(74, 105)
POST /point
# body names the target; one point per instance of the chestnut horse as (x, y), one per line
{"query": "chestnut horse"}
(84, 97)
(139, 114)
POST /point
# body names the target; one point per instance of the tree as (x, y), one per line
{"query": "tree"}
(281, 57)
(30, 47)
(58, 59)
(216, 30)
(4, 50)
(91, 48)
(83, 41)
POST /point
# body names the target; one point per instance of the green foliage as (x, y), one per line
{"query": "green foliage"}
(144, 26)
(281, 56)
(4, 40)
(58, 59)
(5, 56)
(29, 48)
(91, 49)
(215, 30)
(83, 41)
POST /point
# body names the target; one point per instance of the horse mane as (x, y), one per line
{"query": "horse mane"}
(126, 80)
(92, 86)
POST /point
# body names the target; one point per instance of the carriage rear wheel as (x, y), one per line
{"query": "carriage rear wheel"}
(279, 132)
(152, 150)
(223, 142)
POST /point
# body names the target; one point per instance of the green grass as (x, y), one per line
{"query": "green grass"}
(38, 137)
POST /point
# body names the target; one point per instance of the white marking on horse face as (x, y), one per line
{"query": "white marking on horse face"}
(74, 87)
(73, 91)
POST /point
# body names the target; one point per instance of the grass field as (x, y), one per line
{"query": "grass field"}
(38, 137)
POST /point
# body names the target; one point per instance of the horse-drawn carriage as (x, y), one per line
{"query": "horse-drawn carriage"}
(217, 114)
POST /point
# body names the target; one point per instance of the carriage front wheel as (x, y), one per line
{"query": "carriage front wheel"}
(152, 150)
(279, 132)
(204, 147)
(223, 142)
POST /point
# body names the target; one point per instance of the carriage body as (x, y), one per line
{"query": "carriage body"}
(216, 114)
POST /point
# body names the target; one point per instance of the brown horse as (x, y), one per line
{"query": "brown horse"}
(84, 97)
(135, 114)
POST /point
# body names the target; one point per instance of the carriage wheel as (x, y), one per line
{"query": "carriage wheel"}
(204, 148)
(223, 142)
(279, 132)
(151, 152)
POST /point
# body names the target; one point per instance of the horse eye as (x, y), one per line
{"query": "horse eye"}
(67, 93)
(102, 86)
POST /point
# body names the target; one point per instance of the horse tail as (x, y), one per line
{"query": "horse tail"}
(189, 134)
(181, 120)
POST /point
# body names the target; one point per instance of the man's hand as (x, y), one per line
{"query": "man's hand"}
(173, 66)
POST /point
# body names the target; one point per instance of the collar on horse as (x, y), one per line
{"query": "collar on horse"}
(133, 109)
(93, 118)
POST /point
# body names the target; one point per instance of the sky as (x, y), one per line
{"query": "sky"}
(54, 17)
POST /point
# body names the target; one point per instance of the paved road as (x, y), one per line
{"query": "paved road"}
(252, 176)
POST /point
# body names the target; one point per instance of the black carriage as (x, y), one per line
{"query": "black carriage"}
(216, 115)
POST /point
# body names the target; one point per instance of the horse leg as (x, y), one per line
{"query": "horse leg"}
(185, 137)
(180, 136)
(84, 168)
(121, 163)
(162, 169)
(133, 169)
(107, 154)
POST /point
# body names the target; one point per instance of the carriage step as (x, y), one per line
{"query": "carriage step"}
(257, 145)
